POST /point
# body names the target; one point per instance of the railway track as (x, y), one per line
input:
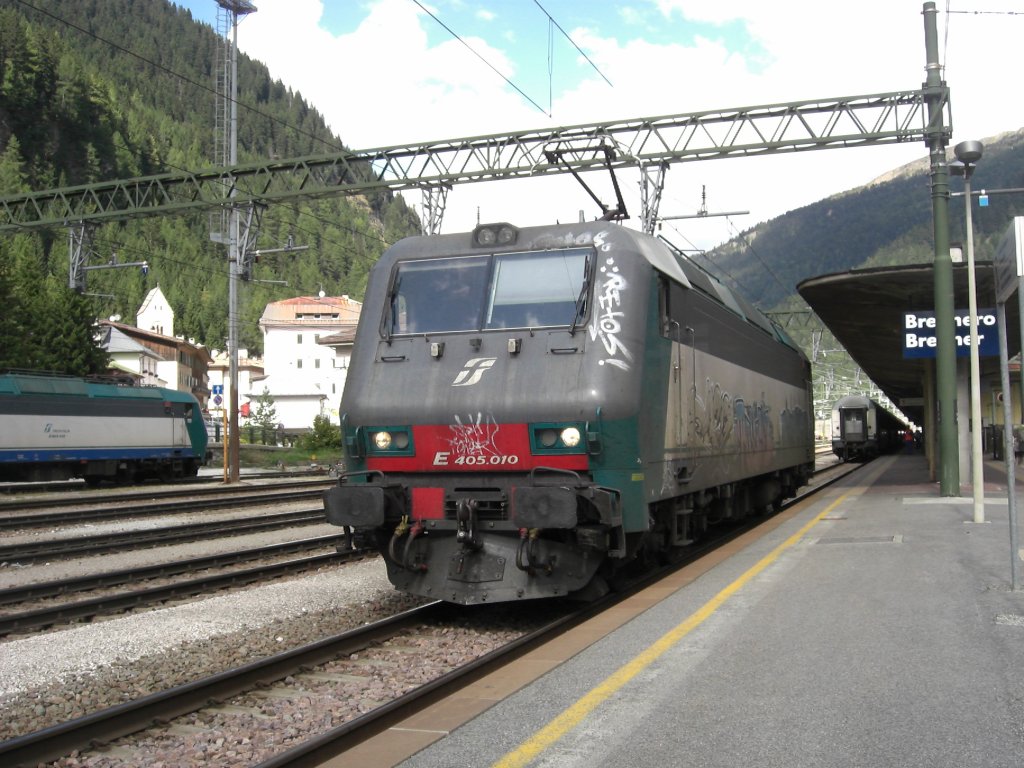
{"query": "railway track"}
(299, 675)
(112, 603)
(85, 546)
(81, 509)
(321, 669)
(79, 486)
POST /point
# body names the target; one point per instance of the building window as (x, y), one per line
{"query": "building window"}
(298, 339)
(316, 363)
(298, 364)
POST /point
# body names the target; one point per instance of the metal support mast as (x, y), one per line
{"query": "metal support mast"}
(79, 248)
(434, 200)
(945, 362)
(235, 8)
(652, 182)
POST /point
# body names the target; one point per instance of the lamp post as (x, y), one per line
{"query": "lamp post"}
(969, 153)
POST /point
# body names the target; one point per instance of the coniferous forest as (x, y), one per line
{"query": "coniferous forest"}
(94, 90)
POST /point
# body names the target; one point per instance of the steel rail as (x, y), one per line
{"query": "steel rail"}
(111, 542)
(111, 604)
(160, 508)
(77, 485)
(101, 727)
(45, 589)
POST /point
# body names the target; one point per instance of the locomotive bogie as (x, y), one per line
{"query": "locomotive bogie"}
(592, 400)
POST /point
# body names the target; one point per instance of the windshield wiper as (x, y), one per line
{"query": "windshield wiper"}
(581, 300)
(389, 318)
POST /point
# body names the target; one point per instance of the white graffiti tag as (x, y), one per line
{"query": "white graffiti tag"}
(475, 437)
(607, 324)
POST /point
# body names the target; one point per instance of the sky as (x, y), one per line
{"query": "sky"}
(396, 72)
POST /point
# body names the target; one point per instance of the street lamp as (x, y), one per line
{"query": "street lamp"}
(969, 153)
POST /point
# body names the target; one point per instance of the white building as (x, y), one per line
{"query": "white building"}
(249, 368)
(155, 314)
(181, 364)
(304, 377)
(131, 356)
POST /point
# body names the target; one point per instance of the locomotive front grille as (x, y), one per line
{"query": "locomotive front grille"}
(491, 504)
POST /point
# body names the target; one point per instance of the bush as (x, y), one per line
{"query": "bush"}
(323, 435)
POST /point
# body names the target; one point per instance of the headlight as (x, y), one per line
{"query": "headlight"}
(389, 440)
(548, 437)
(554, 438)
(570, 437)
(495, 234)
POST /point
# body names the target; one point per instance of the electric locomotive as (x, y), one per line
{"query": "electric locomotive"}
(62, 427)
(527, 411)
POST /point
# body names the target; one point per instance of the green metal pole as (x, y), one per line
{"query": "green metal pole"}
(945, 363)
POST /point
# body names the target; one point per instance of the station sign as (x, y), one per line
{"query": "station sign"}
(919, 339)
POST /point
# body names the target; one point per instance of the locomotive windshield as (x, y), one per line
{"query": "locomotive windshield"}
(473, 293)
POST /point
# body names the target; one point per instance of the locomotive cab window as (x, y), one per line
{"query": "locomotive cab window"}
(538, 289)
(473, 293)
(438, 295)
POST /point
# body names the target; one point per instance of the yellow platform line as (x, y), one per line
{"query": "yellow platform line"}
(574, 715)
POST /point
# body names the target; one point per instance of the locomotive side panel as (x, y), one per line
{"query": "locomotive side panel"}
(739, 403)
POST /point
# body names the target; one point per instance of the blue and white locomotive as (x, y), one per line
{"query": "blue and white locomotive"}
(529, 410)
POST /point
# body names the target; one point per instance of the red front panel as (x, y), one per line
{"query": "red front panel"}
(427, 503)
(474, 447)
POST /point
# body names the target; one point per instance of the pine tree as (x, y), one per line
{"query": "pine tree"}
(13, 178)
(265, 414)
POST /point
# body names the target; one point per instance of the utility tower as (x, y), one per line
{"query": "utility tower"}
(227, 229)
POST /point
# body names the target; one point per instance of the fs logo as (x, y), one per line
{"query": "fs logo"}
(473, 371)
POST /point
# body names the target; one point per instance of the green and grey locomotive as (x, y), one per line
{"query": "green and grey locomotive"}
(527, 411)
(62, 427)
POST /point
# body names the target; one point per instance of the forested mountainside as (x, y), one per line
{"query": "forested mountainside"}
(884, 223)
(93, 90)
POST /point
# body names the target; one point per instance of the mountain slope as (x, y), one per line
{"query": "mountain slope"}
(886, 222)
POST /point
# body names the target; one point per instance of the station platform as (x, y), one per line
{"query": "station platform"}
(872, 626)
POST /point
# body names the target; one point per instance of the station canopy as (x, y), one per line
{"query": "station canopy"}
(864, 310)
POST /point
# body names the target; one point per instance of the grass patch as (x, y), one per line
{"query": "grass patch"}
(272, 457)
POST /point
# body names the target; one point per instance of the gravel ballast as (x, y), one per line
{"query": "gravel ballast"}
(60, 675)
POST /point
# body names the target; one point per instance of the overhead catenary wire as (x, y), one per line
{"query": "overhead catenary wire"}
(551, 20)
(474, 52)
(756, 255)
